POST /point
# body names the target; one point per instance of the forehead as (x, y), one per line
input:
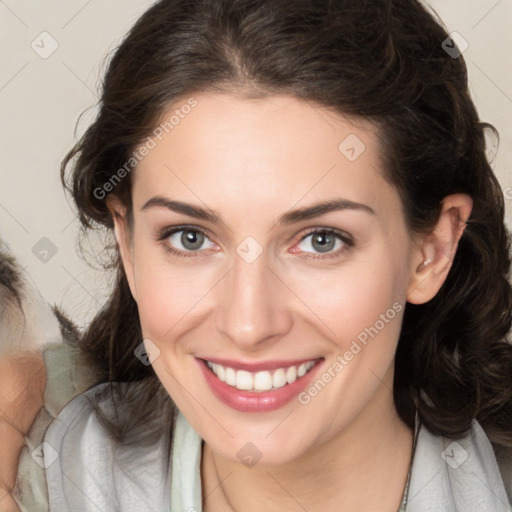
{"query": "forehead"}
(263, 154)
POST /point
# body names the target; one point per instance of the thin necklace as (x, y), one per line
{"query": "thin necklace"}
(402, 506)
(417, 424)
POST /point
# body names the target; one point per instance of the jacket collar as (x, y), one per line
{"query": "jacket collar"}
(453, 475)
(446, 475)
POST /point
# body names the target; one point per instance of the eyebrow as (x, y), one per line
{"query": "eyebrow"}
(290, 217)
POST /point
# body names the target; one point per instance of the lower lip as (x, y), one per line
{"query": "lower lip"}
(254, 401)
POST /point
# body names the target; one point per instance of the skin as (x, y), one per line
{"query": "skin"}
(251, 161)
(22, 384)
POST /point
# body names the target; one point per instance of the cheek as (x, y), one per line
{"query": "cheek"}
(360, 310)
(168, 294)
(353, 298)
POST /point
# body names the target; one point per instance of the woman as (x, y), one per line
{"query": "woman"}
(312, 303)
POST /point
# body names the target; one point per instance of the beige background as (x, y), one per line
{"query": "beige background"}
(42, 98)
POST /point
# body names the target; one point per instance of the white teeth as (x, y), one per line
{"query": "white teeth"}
(243, 380)
(230, 376)
(279, 378)
(221, 373)
(291, 374)
(260, 381)
(302, 370)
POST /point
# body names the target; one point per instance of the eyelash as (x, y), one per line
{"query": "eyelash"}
(348, 242)
(166, 233)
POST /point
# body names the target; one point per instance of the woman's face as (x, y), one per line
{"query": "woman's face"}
(234, 260)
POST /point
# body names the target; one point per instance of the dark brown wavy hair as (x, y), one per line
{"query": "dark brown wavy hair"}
(381, 60)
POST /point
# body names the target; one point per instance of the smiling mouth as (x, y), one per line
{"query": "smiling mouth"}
(267, 380)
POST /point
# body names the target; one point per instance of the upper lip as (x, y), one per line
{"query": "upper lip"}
(261, 366)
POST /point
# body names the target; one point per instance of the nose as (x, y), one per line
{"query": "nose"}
(252, 305)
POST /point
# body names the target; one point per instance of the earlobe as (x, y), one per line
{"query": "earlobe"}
(433, 258)
(123, 238)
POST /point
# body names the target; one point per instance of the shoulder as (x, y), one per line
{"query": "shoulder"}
(504, 460)
(26, 379)
(87, 470)
(461, 471)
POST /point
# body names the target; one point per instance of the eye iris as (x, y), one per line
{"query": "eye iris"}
(326, 241)
(193, 238)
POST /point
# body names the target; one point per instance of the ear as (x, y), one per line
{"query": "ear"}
(433, 257)
(123, 238)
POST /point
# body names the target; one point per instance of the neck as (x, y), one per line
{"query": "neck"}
(364, 467)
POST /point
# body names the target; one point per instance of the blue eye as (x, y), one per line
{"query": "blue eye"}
(190, 239)
(325, 241)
